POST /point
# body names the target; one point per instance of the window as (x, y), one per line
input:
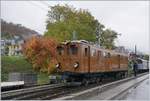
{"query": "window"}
(139, 61)
(60, 50)
(73, 49)
(86, 52)
(93, 52)
(106, 54)
(99, 54)
(119, 57)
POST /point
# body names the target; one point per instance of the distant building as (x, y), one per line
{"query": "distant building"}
(2, 47)
(12, 46)
(14, 50)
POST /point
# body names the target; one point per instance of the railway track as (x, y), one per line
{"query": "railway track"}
(28, 92)
(41, 93)
(65, 91)
(48, 92)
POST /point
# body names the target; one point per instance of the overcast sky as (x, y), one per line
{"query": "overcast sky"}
(130, 18)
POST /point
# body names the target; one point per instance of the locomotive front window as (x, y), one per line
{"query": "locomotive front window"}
(73, 49)
(60, 50)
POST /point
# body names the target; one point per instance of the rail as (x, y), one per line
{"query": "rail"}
(23, 92)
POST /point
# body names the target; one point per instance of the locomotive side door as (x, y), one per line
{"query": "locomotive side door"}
(86, 58)
(89, 55)
(119, 62)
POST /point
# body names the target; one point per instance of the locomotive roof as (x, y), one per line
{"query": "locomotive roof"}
(93, 45)
(143, 60)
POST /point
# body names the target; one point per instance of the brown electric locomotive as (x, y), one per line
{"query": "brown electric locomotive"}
(85, 62)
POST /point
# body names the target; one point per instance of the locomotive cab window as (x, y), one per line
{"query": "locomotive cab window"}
(60, 50)
(99, 55)
(93, 52)
(106, 54)
(73, 49)
(86, 52)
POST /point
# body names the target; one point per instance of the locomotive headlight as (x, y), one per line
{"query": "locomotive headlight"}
(57, 65)
(76, 64)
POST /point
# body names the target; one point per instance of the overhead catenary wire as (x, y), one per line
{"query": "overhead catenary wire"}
(32, 3)
(44, 3)
(40, 7)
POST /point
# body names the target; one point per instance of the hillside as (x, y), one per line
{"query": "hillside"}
(8, 30)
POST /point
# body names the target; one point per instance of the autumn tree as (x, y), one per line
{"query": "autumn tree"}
(40, 51)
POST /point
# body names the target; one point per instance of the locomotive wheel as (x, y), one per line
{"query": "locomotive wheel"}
(98, 80)
(118, 76)
(85, 82)
(65, 81)
(122, 75)
(125, 74)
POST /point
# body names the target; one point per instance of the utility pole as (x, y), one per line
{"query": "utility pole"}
(135, 50)
(74, 36)
(98, 40)
(118, 39)
(98, 34)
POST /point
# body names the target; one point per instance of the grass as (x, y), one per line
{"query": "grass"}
(19, 64)
(14, 64)
(43, 78)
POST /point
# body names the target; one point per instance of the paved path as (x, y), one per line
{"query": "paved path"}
(116, 90)
(141, 92)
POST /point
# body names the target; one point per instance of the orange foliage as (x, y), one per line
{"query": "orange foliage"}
(41, 52)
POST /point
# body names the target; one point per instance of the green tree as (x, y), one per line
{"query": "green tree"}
(146, 57)
(64, 20)
(107, 38)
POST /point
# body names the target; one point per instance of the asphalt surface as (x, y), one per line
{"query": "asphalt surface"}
(141, 92)
(111, 93)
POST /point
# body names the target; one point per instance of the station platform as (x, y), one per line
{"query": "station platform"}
(11, 85)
